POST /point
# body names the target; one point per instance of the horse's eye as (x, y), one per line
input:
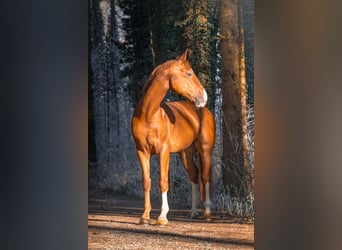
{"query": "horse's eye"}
(189, 73)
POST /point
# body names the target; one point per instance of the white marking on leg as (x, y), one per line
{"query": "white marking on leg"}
(195, 198)
(207, 202)
(165, 206)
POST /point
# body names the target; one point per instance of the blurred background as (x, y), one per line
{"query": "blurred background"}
(298, 123)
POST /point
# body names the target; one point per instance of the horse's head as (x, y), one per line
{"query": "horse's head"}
(184, 82)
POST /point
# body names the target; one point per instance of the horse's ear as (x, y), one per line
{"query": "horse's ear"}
(183, 56)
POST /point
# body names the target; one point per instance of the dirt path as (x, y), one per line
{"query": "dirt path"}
(113, 224)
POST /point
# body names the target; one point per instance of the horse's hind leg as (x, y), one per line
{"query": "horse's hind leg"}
(206, 181)
(188, 160)
(204, 145)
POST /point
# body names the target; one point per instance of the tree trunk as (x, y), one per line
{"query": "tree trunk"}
(235, 169)
(98, 60)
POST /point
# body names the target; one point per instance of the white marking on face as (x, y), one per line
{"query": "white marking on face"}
(205, 97)
(204, 100)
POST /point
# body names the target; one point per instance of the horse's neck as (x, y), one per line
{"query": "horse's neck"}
(152, 99)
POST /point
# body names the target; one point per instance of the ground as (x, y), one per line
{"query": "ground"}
(113, 224)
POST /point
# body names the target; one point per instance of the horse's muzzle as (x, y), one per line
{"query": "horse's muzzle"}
(202, 100)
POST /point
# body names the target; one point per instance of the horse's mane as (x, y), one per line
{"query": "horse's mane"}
(158, 70)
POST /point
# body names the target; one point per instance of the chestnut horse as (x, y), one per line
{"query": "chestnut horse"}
(185, 127)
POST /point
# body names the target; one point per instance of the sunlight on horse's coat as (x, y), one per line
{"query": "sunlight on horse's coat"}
(185, 127)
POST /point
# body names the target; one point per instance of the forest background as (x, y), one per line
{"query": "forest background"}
(127, 39)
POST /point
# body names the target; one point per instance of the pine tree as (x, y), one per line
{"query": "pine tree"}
(199, 29)
(236, 169)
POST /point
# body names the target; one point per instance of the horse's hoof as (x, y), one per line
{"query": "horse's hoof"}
(162, 222)
(193, 215)
(207, 216)
(144, 221)
(207, 219)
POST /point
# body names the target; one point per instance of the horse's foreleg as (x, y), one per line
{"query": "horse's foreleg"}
(144, 159)
(164, 158)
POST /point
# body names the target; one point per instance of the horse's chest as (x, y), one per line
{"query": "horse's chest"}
(156, 138)
(150, 135)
